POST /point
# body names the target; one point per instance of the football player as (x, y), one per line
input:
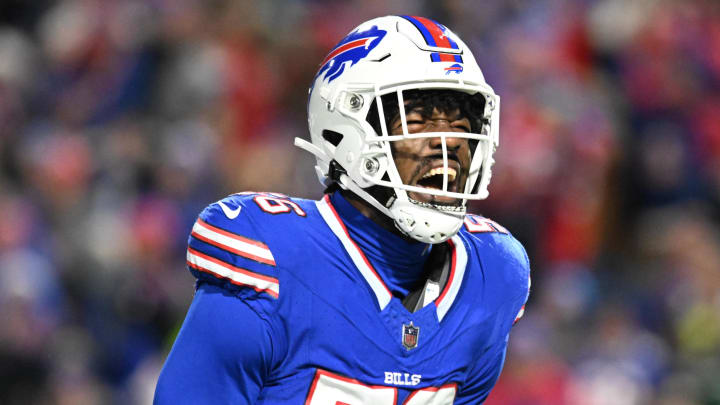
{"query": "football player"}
(385, 291)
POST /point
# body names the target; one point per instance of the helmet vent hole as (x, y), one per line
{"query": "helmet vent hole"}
(333, 137)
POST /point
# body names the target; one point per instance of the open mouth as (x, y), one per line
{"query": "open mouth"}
(433, 179)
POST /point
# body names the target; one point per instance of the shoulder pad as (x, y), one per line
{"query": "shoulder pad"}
(227, 247)
(500, 252)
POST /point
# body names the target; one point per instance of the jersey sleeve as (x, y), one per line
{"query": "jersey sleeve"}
(509, 262)
(226, 248)
(524, 297)
(230, 340)
(507, 270)
(223, 353)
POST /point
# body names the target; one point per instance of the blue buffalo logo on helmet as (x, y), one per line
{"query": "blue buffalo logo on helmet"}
(456, 68)
(354, 47)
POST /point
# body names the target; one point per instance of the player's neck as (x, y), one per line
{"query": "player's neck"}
(373, 213)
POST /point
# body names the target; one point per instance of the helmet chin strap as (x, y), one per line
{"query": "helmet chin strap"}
(423, 224)
(347, 183)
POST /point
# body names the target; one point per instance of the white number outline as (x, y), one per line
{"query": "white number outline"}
(277, 205)
(478, 224)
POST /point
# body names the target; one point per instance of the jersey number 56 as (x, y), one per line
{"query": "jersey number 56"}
(332, 389)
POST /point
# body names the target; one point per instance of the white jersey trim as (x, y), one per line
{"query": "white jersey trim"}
(233, 243)
(457, 274)
(382, 293)
(236, 275)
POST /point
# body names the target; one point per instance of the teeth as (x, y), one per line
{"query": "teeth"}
(452, 173)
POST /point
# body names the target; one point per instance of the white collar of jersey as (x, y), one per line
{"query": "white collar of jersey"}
(382, 293)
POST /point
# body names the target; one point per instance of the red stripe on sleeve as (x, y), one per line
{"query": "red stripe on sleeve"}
(233, 268)
(233, 235)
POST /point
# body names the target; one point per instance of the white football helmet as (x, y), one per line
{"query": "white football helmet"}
(387, 55)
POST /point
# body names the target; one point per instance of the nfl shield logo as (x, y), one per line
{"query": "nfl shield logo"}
(410, 336)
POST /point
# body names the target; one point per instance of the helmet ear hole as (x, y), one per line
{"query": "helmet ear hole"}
(333, 137)
(390, 112)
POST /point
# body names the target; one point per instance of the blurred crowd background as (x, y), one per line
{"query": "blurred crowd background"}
(121, 119)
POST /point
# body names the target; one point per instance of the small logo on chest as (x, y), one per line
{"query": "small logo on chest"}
(410, 335)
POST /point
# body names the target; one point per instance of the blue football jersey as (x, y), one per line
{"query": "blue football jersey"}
(290, 310)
